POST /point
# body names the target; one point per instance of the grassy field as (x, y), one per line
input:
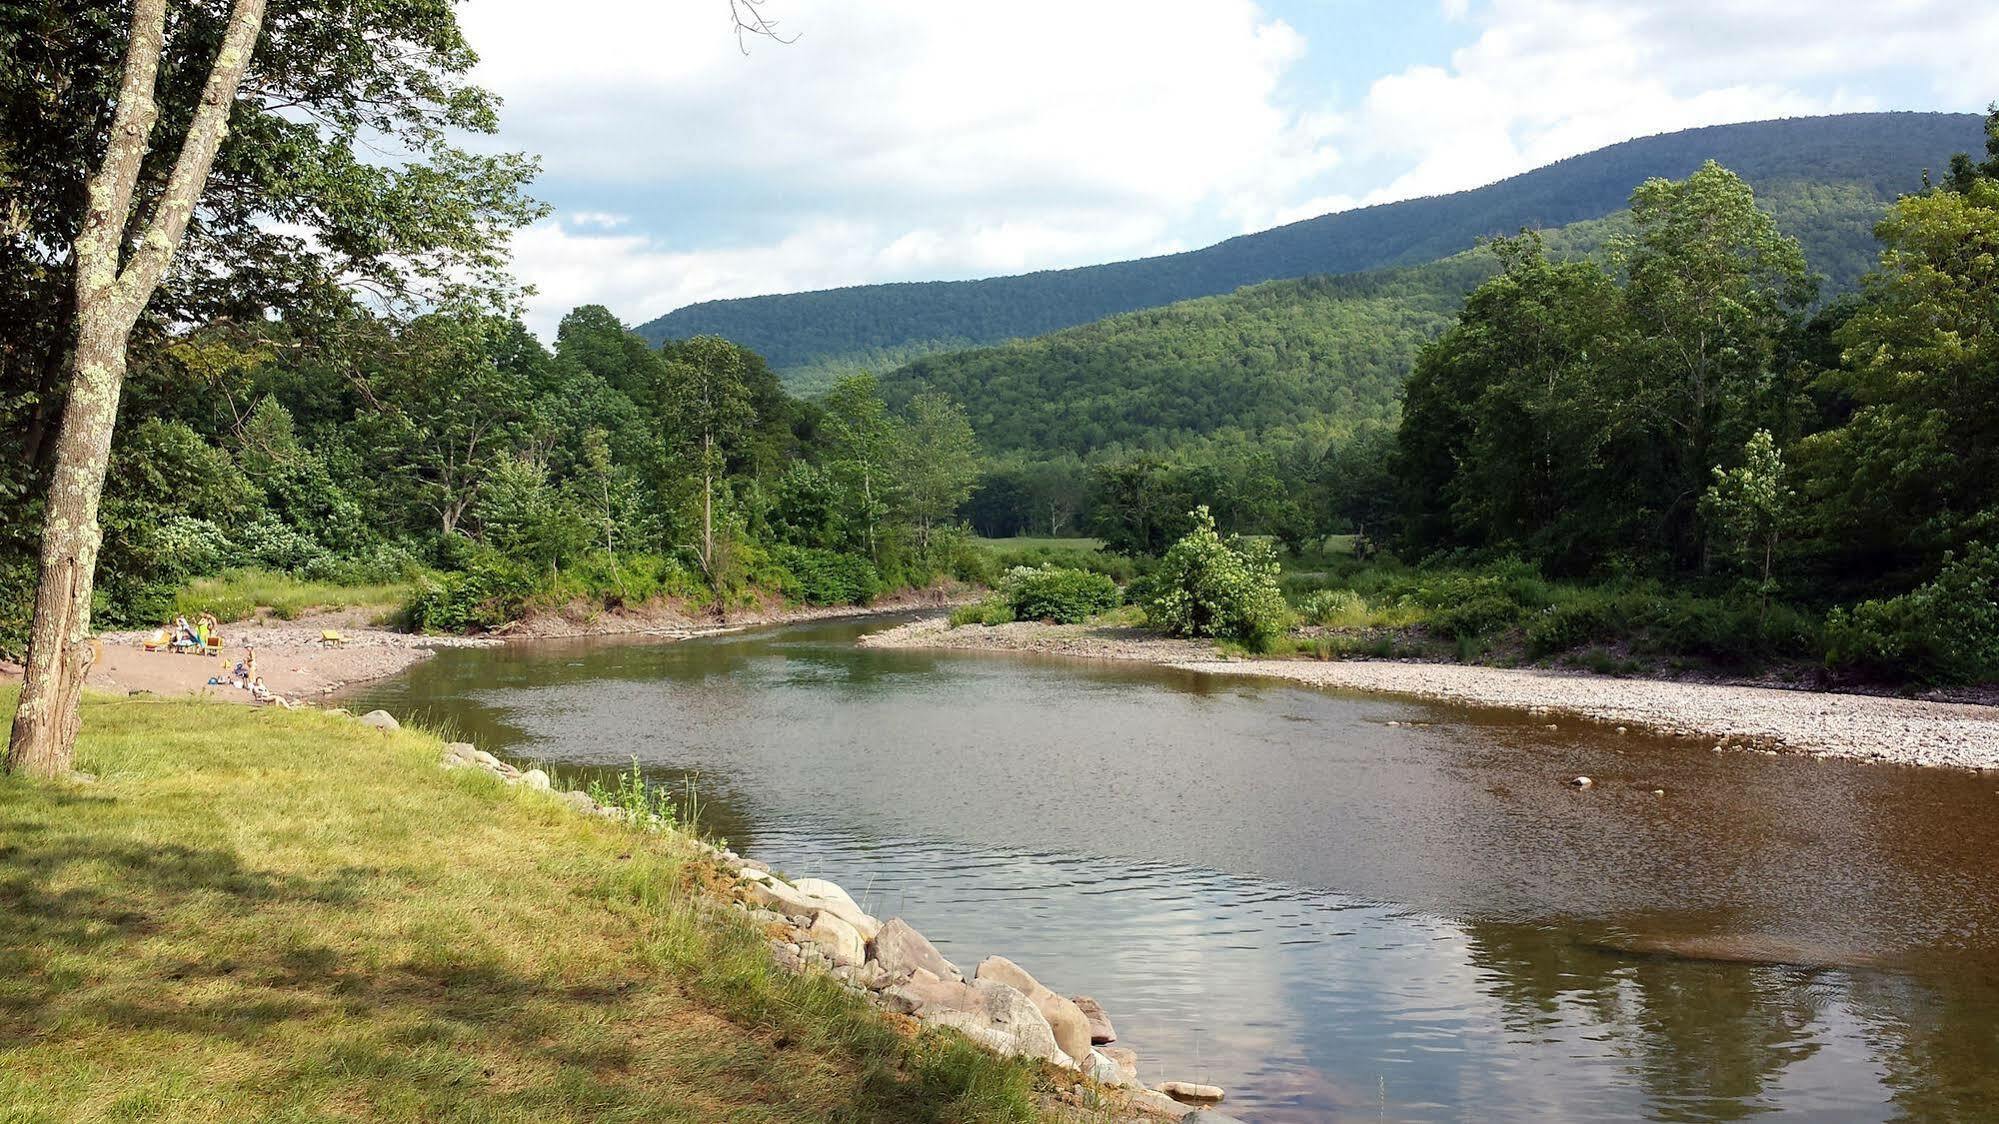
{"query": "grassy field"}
(1031, 542)
(238, 594)
(287, 916)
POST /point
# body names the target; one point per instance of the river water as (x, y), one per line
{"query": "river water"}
(1335, 906)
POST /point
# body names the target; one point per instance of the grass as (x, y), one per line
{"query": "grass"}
(286, 916)
(1042, 542)
(238, 594)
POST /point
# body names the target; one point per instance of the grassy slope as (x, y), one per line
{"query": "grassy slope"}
(289, 916)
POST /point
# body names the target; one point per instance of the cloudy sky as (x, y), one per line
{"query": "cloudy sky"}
(921, 139)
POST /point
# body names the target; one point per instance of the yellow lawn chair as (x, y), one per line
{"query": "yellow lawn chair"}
(331, 638)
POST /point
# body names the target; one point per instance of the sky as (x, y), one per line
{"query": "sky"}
(899, 140)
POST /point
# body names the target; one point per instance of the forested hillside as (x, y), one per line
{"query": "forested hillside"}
(1328, 354)
(809, 337)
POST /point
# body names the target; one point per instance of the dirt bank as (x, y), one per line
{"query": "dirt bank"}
(1858, 727)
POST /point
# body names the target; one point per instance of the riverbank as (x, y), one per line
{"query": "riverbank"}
(1865, 728)
(297, 664)
(242, 914)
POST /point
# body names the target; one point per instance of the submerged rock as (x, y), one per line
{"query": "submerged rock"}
(1581, 782)
(1190, 1092)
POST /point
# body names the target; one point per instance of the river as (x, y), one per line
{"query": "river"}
(1335, 906)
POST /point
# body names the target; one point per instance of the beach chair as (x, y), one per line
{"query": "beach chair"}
(212, 644)
(331, 638)
(157, 642)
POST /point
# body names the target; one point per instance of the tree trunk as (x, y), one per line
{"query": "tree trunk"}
(109, 299)
(45, 726)
(708, 507)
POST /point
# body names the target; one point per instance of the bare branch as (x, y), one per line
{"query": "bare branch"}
(750, 19)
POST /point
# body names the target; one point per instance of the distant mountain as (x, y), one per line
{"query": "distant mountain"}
(809, 336)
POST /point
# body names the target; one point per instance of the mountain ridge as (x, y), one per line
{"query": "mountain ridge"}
(809, 336)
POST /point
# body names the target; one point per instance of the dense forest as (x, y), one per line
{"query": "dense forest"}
(811, 337)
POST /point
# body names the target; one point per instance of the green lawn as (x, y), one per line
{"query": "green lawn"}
(1028, 542)
(287, 916)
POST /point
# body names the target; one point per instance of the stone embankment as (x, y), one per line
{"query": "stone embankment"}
(816, 926)
(1866, 728)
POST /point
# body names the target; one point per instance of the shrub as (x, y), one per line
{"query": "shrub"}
(1572, 624)
(826, 577)
(489, 592)
(1226, 590)
(1945, 631)
(993, 610)
(1334, 608)
(1063, 596)
(275, 545)
(1479, 615)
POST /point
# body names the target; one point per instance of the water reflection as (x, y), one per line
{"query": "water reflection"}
(1276, 890)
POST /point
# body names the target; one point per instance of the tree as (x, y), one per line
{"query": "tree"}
(864, 438)
(1751, 505)
(278, 216)
(939, 461)
(1715, 290)
(113, 286)
(708, 386)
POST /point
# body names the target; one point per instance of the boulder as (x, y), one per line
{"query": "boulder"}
(381, 720)
(1072, 1030)
(901, 950)
(991, 1005)
(459, 751)
(579, 800)
(752, 874)
(834, 900)
(535, 779)
(1152, 1100)
(821, 888)
(1101, 1031)
(1191, 1093)
(837, 939)
(1126, 1061)
(775, 895)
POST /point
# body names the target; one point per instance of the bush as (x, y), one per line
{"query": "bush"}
(993, 610)
(1226, 590)
(1334, 608)
(1064, 596)
(1477, 616)
(489, 592)
(1945, 632)
(1570, 625)
(826, 577)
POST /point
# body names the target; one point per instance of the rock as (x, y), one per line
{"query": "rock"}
(752, 874)
(821, 888)
(1101, 1031)
(991, 1005)
(831, 898)
(1126, 1061)
(901, 950)
(380, 720)
(840, 942)
(786, 956)
(1102, 1070)
(753, 864)
(1153, 1100)
(460, 751)
(579, 800)
(1580, 782)
(1072, 1030)
(1191, 1093)
(1658, 792)
(779, 896)
(536, 780)
(1622, 730)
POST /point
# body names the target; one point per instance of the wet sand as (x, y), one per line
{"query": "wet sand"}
(1868, 728)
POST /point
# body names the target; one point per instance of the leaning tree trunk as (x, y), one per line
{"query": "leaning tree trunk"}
(110, 295)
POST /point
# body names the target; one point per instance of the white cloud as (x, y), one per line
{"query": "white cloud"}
(1547, 79)
(950, 139)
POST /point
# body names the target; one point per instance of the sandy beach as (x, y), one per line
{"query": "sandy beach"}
(1867, 728)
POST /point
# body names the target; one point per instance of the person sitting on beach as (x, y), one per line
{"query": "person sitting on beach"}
(258, 691)
(184, 634)
(241, 674)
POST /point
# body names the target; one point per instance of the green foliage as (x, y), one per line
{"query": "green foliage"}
(1944, 631)
(1206, 586)
(1336, 608)
(1049, 593)
(987, 611)
(825, 577)
(644, 805)
(489, 591)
